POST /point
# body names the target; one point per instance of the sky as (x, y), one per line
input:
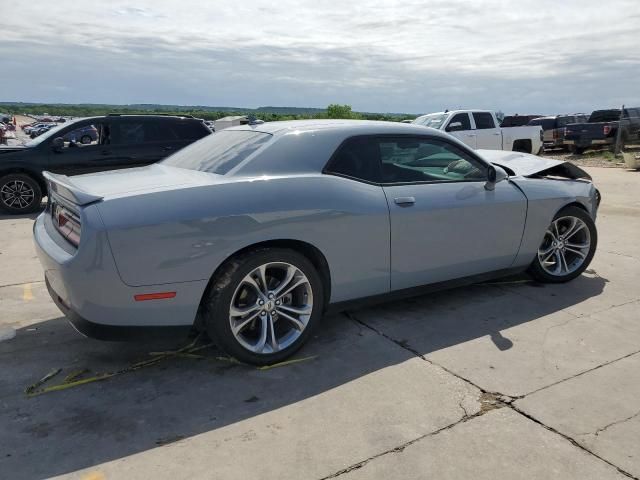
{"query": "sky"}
(535, 57)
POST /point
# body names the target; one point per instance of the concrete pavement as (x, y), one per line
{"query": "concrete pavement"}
(508, 379)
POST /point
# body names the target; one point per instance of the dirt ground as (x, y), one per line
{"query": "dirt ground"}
(593, 158)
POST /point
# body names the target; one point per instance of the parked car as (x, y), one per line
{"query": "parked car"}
(602, 128)
(37, 131)
(517, 120)
(254, 232)
(479, 129)
(84, 135)
(553, 127)
(122, 141)
(29, 128)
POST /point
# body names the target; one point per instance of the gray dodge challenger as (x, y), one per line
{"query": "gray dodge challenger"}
(253, 233)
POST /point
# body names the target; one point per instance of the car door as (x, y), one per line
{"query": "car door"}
(488, 135)
(75, 157)
(444, 223)
(459, 125)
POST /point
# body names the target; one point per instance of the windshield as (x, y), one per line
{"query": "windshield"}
(433, 120)
(48, 134)
(218, 152)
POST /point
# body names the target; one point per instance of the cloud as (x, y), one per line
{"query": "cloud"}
(380, 55)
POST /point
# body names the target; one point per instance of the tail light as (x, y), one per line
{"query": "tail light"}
(67, 223)
(607, 129)
(541, 135)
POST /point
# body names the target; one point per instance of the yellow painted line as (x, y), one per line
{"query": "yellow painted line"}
(27, 293)
(95, 475)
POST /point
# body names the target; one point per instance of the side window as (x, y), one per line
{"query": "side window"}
(189, 130)
(483, 120)
(460, 121)
(83, 136)
(409, 160)
(356, 158)
(128, 133)
(158, 132)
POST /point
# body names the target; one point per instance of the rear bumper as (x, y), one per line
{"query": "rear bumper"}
(87, 288)
(113, 332)
(586, 143)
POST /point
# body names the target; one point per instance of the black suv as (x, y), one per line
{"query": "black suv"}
(114, 141)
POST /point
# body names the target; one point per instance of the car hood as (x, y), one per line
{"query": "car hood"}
(88, 188)
(528, 165)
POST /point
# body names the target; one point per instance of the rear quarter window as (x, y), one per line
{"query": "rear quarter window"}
(219, 152)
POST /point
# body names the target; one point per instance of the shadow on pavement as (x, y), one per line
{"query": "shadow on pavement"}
(66, 431)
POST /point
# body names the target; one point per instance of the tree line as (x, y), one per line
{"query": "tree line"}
(336, 111)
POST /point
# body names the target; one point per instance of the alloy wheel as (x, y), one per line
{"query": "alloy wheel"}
(271, 307)
(565, 247)
(16, 194)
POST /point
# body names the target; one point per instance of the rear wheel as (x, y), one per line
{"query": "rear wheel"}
(567, 247)
(263, 305)
(85, 140)
(19, 193)
(576, 150)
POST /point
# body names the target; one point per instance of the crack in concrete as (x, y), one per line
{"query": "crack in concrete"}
(488, 397)
(581, 373)
(621, 254)
(572, 441)
(606, 427)
(22, 283)
(402, 447)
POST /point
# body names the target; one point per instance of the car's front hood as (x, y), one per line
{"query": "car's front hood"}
(526, 165)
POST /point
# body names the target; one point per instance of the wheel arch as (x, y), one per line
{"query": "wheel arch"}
(311, 252)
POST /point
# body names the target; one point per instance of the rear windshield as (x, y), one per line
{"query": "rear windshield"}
(545, 123)
(218, 152)
(604, 116)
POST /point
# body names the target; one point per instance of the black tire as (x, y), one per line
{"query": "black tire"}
(85, 139)
(217, 300)
(539, 273)
(29, 189)
(576, 150)
(523, 146)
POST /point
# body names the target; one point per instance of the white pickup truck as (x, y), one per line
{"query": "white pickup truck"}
(480, 129)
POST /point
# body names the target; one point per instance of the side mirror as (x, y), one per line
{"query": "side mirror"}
(452, 127)
(57, 144)
(495, 175)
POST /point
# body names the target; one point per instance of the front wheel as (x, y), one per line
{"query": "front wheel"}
(567, 247)
(263, 305)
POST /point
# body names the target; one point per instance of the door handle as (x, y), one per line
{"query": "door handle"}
(105, 152)
(166, 149)
(497, 133)
(471, 134)
(405, 201)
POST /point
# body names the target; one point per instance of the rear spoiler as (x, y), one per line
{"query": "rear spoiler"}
(64, 187)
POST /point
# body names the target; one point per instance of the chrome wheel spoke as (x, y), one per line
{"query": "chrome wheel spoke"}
(577, 245)
(577, 252)
(304, 310)
(262, 340)
(242, 311)
(273, 341)
(243, 323)
(297, 323)
(292, 286)
(289, 274)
